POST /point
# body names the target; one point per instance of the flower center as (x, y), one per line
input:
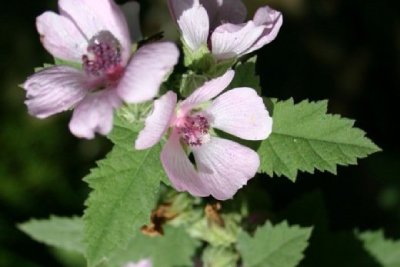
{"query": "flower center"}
(103, 57)
(194, 130)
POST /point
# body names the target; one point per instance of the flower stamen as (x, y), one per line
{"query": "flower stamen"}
(103, 56)
(194, 130)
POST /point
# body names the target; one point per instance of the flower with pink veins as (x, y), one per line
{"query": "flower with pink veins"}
(141, 263)
(221, 166)
(94, 34)
(220, 25)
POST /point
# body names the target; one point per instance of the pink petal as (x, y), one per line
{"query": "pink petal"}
(180, 170)
(208, 91)
(267, 16)
(225, 11)
(146, 71)
(225, 166)
(61, 37)
(94, 114)
(272, 21)
(158, 121)
(194, 24)
(230, 40)
(54, 90)
(241, 112)
(131, 11)
(93, 16)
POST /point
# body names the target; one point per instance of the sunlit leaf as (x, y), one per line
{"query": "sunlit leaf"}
(305, 138)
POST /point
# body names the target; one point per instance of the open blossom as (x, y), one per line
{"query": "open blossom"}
(220, 25)
(221, 166)
(94, 34)
(141, 263)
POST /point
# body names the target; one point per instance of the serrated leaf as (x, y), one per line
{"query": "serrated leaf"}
(125, 188)
(305, 138)
(174, 248)
(385, 251)
(245, 75)
(65, 233)
(274, 246)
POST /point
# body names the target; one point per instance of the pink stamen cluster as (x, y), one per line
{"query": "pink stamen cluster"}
(194, 130)
(104, 56)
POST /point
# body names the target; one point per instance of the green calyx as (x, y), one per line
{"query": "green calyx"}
(202, 61)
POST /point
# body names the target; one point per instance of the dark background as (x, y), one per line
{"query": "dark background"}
(346, 51)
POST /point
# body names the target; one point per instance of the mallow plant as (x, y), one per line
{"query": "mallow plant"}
(190, 127)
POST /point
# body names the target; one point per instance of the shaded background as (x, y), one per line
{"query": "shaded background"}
(346, 51)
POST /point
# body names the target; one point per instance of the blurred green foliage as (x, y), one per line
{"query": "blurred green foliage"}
(347, 51)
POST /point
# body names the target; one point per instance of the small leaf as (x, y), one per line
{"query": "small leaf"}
(220, 67)
(199, 60)
(58, 61)
(75, 65)
(215, 234)
(45, 66)
(305, 138)
(274, 246)
(174, 248)
(190, 82)
(70, 258)
(202, 61)
(125, 188)
(219, 257)
(245, 75)
(385, 251)
(65, 233)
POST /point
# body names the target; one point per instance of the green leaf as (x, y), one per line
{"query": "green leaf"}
(69, 258)
(45, 66)
(202, 61)
(215, 234)
(58, 61)
(65, 233)
(274, 246)
(305, 138)
(245, 75)
(219, 257)
(174, 248)
(125, 188)
(190, 82)
(220, 67)
(385, 251)
(75, 65)
(199, 60)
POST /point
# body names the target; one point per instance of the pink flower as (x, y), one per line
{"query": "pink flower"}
(141, 263)
(221, 165)
(220, 25)
(94, 34)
